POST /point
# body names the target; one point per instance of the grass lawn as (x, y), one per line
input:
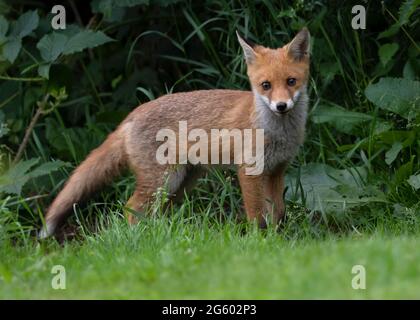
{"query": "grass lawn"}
(353, 190)
(197, 257)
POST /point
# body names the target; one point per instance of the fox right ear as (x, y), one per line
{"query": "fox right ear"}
(247, 47)
(298, 48)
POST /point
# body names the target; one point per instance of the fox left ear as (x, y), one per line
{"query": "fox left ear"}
(298, 48)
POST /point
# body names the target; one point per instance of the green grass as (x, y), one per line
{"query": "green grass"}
(201, 251)
(198, 256)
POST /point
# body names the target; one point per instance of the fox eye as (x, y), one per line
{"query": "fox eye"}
(266, 85)
(291, 82)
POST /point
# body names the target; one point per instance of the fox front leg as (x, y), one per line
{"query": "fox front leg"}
(252, 188)
(263, 195)
(274, 189)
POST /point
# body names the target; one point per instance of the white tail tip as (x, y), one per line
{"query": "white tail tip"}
(46, 231)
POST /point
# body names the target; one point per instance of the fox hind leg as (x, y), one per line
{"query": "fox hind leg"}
(171, 180)
(148, 183)
(193, 173)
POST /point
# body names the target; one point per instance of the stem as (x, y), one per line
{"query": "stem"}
(92, 83)
(76, 13)
(80, 22)
(403, 29)
(21, 79)
(3, 103)
(29, 130)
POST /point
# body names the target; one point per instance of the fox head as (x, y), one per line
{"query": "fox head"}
(278, 76)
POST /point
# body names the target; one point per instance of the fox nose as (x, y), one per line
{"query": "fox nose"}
(281, 106)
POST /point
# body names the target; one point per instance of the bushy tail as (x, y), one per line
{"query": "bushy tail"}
(102, 164)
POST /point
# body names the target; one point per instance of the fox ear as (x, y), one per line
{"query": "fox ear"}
(298, 48)
(248, 48)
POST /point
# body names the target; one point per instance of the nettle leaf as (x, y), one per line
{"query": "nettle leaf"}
(392, 30)
(26, 23)
(84, 40)
(47, 168)
(51, 46)
(11, 49)
(339, 117)
(414, 181)
(398, 95)
(406, 10)
(55, 44)
(387, 51)
(327, 189)
(14, 179)
(404, 14)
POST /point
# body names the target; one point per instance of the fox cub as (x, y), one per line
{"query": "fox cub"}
(277, 104)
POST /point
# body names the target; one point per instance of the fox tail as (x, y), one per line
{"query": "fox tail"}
(98, 169)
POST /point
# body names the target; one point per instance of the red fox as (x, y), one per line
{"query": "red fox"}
(277, 104)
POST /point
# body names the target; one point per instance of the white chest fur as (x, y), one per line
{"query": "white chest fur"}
(284, 133)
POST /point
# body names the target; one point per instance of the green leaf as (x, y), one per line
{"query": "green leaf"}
(392, 153)
(340, 118)
(11, 49)
(406, 137)
(44, 70)
(403, 172)
(414, 181)
(47, 168)
(398, 95)
(84, 40)
(327, 189)
(26, 23)
(51, 46)
(411, 69)
(406, 10)
(387, 51)
(13, 180)
(392, 30)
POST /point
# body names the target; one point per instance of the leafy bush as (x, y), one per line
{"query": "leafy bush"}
(64, 90)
